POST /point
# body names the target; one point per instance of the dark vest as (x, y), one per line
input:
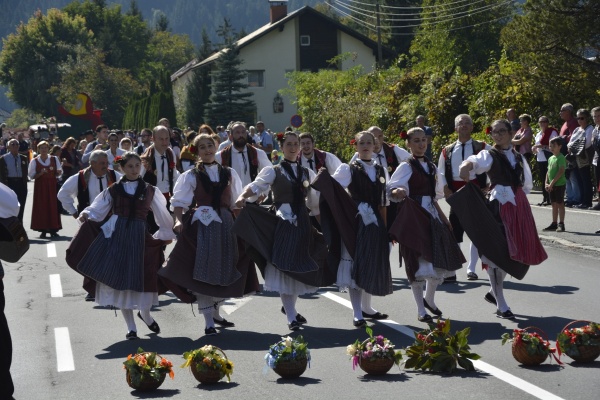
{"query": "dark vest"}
(282, 187)
(363, 190)
(121, 204)
(150, 175)
(319, 157)
(4, 169)
(447, 152)
(390, 157)
(252, 159)
(83, 193)
(206, 189)
(420, 183)
(502, 173)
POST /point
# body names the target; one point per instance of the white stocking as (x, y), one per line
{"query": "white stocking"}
(206, 307)
(430, 287)
(474, 258)
(129, 320)
(417, 289)
(217, 308)
(366, 303)
(355, 299)
(289, 305)
(497, 276)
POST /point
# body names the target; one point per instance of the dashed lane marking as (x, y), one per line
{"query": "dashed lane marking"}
(51, 250)
(64, 353)
(483, 366)
(55, 286)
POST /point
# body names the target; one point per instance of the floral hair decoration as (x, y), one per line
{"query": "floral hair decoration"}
(404, 135)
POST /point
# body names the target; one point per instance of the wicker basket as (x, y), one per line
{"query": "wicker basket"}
(586, 353)
(148, 384)
(519, 350)
(377, 366)
(291, 369)
(207, 376)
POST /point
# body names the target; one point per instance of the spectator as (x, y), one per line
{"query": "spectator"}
(511, 115)
(573, 178)
(266, 141)
(114, 151)
(70, 158)
(13, 173)
(146, 141)
(580, 146)
(523, 136)
(98, 144)
(555, 184)
(126, 144)
(596, 161)
(543, 153)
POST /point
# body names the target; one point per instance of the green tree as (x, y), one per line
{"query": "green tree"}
(31, 59)
(22, 118)
(198, 90)
(227, 101)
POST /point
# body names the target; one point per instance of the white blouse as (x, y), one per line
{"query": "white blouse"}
(482, 163)
(32, 165)
(102, 205)
(265, 179)
(538, 141)
(400, 179)
(183, 191)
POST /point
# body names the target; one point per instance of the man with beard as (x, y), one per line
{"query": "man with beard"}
(146, 141)
(313, 158)
(245, 159)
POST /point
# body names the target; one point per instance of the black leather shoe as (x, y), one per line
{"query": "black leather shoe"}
(54, 235)
(490, 298)
(299, 318)
(450, 279)
(131, 335)
(505, 315)
(359, 323)
(472, 276)
(425, 318)
(43, 235)
(89, 297)
(294, 325)
(210, 331)
(436, 311)
(224, 323)
(377, 315)
(153, 326)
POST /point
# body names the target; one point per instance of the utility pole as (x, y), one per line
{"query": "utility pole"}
(379, 55)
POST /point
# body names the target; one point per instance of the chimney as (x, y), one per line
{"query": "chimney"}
(278, 10)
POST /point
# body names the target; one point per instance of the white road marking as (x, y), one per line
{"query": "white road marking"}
(483, 366)
(230, 305)
(55, 286)
(64, 353)
(51, 249)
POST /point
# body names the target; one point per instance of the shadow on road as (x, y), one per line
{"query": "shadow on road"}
(156, 394)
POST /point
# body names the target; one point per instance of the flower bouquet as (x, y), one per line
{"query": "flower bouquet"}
(147, 370)
(437, 350)
(289, 357)
(581, 344)
(529, 347)
(375, 355)
(208, 364)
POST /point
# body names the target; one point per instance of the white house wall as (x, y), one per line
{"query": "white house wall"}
(364, 54)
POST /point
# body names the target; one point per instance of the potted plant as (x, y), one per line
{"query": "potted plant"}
(581, 344)
(289, 357)
(375, 355)
(530, 347)
(208, 364)
(146, 370)
(436, 349)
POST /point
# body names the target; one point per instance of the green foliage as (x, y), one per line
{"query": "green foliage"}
(534, 343)
(569, 340)
(209, 358)
(373, 348)
(22, 118)
(437, 350)
(147, 366)
(288, 349)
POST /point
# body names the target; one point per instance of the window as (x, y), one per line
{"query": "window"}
(304, 40)
(256, 78)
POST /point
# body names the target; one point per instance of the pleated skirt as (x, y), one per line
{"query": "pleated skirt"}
(292, 244)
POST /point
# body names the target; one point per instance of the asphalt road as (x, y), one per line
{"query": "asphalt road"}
(47, 325)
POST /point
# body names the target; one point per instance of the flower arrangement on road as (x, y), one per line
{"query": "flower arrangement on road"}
(147, 368)
(529, 347)
(373, 349)
(436, 349)
(288, 349)
(581, 344)
(209, 359)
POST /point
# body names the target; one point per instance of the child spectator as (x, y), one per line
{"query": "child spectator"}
(556, 185)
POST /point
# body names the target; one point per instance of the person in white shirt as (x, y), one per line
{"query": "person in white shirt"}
(114, 150)
(313, 158)
(227, 142)
(159, 162)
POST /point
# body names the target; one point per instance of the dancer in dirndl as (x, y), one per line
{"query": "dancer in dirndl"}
(124, 258)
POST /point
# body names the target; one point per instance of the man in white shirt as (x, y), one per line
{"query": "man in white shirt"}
(266, 141)
(245, 159)
(313, 158)
(449, 163)
(159, 162)
(226, 142)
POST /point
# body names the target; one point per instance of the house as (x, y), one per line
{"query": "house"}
(303, 40)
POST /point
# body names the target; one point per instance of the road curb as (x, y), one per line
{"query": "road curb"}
(568, 243)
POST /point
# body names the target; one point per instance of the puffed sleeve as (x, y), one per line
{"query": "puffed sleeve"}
(263, 181)
(67, 194)
(332, 162)
(482, 162)
(312, 198)
(343, 175)
(354, 158)
(439, 185)
(401, 153)
(528, 184)
(236, 187)
(399, 179)
(31, 168)
(100, 207)
(183, 191)
(442, 169)
(162, 217)
(263, 160)
(58, 166)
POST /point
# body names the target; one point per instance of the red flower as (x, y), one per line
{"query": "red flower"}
(353, 142)
(280, 136)
(488, 130)
(171, 165)
(193, 149)
(389, 160)
(404, 135)
(117, 159)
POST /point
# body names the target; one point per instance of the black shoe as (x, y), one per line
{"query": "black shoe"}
(301, 320)
(359, 323)
(490, 298)
(131, 335)
(377, 315)
(425, 318)
(54, 235)
(224, 323)
(210, 331)
(43, 235)
(153, 326)
(582, 206)
(294, 325)
(436, 311)
(551, 227)
(505, 315)
(598, 231)
(450, 279)
(472, 276)
(90, 297)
